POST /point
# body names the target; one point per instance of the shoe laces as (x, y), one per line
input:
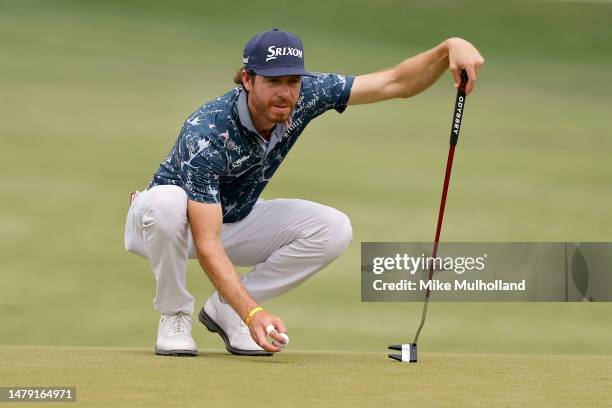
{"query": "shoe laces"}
(180, 322)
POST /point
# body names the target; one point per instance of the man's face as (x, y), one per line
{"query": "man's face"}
(273, 97)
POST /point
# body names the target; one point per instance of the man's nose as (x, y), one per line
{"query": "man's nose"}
(284, 91)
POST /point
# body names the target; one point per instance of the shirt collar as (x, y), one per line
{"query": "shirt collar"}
(243, 111)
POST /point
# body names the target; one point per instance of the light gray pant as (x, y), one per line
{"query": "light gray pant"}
(285, 240)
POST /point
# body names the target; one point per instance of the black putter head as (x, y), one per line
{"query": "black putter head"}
(409, 352)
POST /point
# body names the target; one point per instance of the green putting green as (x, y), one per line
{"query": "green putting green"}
(135, 377)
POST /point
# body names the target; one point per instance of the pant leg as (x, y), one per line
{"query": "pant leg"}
(157, 229)
(287, 241)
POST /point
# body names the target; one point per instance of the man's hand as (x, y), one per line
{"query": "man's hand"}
(258, 325)
(463, 55)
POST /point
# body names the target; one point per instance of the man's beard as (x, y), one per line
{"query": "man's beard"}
(273, 112)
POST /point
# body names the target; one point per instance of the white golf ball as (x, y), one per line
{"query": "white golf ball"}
(279, 344)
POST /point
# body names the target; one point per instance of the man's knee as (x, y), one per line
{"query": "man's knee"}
(338, 233)
(166, 210)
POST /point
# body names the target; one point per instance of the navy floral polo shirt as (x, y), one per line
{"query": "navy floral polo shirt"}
(220, 158)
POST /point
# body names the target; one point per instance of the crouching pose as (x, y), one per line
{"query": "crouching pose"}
(204, 200)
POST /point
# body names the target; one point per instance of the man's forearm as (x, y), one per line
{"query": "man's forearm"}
(415, 74)
(406, 79)
(223, 275)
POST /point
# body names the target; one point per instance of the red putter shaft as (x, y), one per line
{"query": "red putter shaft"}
(449, 167)
(456, 126)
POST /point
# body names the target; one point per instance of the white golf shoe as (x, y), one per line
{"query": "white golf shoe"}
(219, 317)
(174, 335)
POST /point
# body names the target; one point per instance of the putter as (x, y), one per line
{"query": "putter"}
(409, 350)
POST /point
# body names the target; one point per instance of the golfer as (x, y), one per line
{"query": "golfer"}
(204, 200)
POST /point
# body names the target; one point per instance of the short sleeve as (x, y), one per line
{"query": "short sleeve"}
(202, 164)
(326, 91)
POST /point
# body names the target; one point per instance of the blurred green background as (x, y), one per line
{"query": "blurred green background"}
(93, 94)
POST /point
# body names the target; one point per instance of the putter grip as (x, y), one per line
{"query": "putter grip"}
(464, 79)
(459, 106)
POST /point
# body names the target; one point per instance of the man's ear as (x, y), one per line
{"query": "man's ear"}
(246, 80)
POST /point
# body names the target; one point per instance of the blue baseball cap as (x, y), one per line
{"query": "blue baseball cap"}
(275, 53)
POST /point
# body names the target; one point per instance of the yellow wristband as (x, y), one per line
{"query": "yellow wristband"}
(251, 314)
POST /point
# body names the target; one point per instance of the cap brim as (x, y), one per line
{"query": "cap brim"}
(281, 71)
